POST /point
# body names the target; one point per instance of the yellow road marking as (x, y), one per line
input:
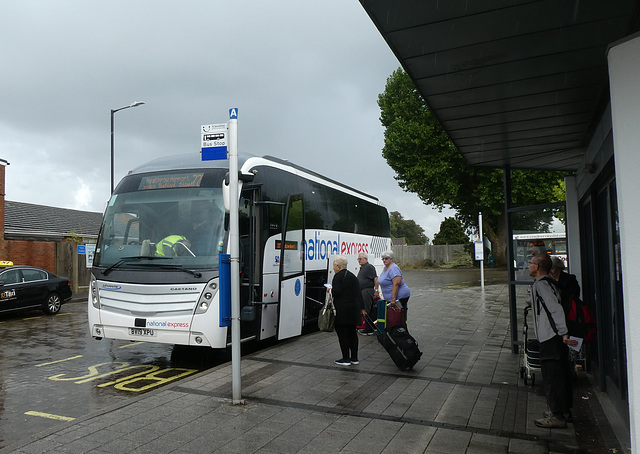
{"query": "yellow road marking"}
(49, 416)
(131, 344)
(33, 318)
(59, 361)
(153, 379)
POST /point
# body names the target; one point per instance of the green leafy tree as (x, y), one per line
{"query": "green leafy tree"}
(428, 164)
(407, 229)
(451, 232)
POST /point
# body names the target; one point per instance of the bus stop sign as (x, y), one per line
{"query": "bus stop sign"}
(478, 247)
(214, 141)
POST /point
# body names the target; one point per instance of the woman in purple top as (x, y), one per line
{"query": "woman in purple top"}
(390, 281)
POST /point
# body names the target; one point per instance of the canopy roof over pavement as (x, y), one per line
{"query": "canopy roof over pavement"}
(514, 82)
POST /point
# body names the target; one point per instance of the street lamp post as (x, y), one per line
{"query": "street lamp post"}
(135, 104)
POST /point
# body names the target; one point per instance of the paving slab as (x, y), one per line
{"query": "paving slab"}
(464, 396)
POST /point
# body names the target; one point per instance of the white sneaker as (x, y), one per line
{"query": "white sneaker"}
(551, 422)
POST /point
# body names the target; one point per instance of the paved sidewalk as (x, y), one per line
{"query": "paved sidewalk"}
(464, 396)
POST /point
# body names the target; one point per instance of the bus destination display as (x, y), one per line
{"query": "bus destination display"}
(184, 180)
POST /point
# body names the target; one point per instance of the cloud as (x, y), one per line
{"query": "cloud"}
(304, 75)
(83, 195)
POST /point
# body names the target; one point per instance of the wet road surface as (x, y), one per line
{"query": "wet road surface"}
(51, 370)
(442, 280)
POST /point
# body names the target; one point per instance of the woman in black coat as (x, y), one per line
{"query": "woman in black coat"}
(347, 299)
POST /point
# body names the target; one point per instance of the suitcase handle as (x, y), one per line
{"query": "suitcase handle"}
(372, 325)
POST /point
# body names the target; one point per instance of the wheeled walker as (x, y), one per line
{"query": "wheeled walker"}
(530, 353)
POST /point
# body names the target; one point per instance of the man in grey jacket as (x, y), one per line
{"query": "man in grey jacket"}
(551, 329)
(367, 277)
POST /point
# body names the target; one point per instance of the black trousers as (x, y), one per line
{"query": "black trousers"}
(348, 340)
(556, 376)
(370, 307)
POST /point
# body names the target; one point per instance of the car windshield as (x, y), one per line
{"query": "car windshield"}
(181, 225)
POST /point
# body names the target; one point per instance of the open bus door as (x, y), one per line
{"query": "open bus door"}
(292, 255)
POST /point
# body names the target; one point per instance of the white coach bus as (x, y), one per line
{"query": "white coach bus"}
(155, 274)
(527, 245)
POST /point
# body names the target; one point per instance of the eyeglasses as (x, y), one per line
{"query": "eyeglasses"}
(386, 258)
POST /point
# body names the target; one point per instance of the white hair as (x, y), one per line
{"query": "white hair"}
(557, 263)
(341, 261)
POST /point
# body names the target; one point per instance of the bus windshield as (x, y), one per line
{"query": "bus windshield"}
(158, 228)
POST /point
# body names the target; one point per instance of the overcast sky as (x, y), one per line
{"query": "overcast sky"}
(305, 76)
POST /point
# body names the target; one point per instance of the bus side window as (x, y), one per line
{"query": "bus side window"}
(275, 219)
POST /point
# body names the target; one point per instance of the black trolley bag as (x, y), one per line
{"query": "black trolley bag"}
(400, 345)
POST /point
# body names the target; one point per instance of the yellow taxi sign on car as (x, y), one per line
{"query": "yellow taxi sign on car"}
(5, 263)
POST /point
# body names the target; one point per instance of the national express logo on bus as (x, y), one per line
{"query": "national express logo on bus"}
(318, 248)
(324, 244)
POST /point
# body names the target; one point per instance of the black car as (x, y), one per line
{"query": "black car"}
(24, 287)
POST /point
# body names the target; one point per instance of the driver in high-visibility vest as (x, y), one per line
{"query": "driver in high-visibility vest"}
(174, 245)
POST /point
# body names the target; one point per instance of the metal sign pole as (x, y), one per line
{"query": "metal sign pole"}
(234, 249)
(481, 261)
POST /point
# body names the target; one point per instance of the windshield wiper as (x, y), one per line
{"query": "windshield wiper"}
(124, 260)
(179, 268)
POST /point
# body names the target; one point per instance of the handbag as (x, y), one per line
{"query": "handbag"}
(327, 315)
(395, 317)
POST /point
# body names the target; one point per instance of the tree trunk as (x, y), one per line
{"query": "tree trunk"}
(498, 239)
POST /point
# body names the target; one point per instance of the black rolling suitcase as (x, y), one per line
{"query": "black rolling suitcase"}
(400, 345)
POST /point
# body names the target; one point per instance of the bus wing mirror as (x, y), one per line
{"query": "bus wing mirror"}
(247, 177)
(248, 314)
(225, 194)
(242, 178)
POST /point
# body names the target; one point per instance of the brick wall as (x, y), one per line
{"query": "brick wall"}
(3, 250)
(35, 253)
(60, 257)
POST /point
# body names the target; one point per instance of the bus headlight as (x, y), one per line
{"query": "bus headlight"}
(94, 296)
(207, 297)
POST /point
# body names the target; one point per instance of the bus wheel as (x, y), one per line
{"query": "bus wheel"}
(52, 305)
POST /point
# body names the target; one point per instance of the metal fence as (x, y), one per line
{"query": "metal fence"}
(432, 255)
(72, 265)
